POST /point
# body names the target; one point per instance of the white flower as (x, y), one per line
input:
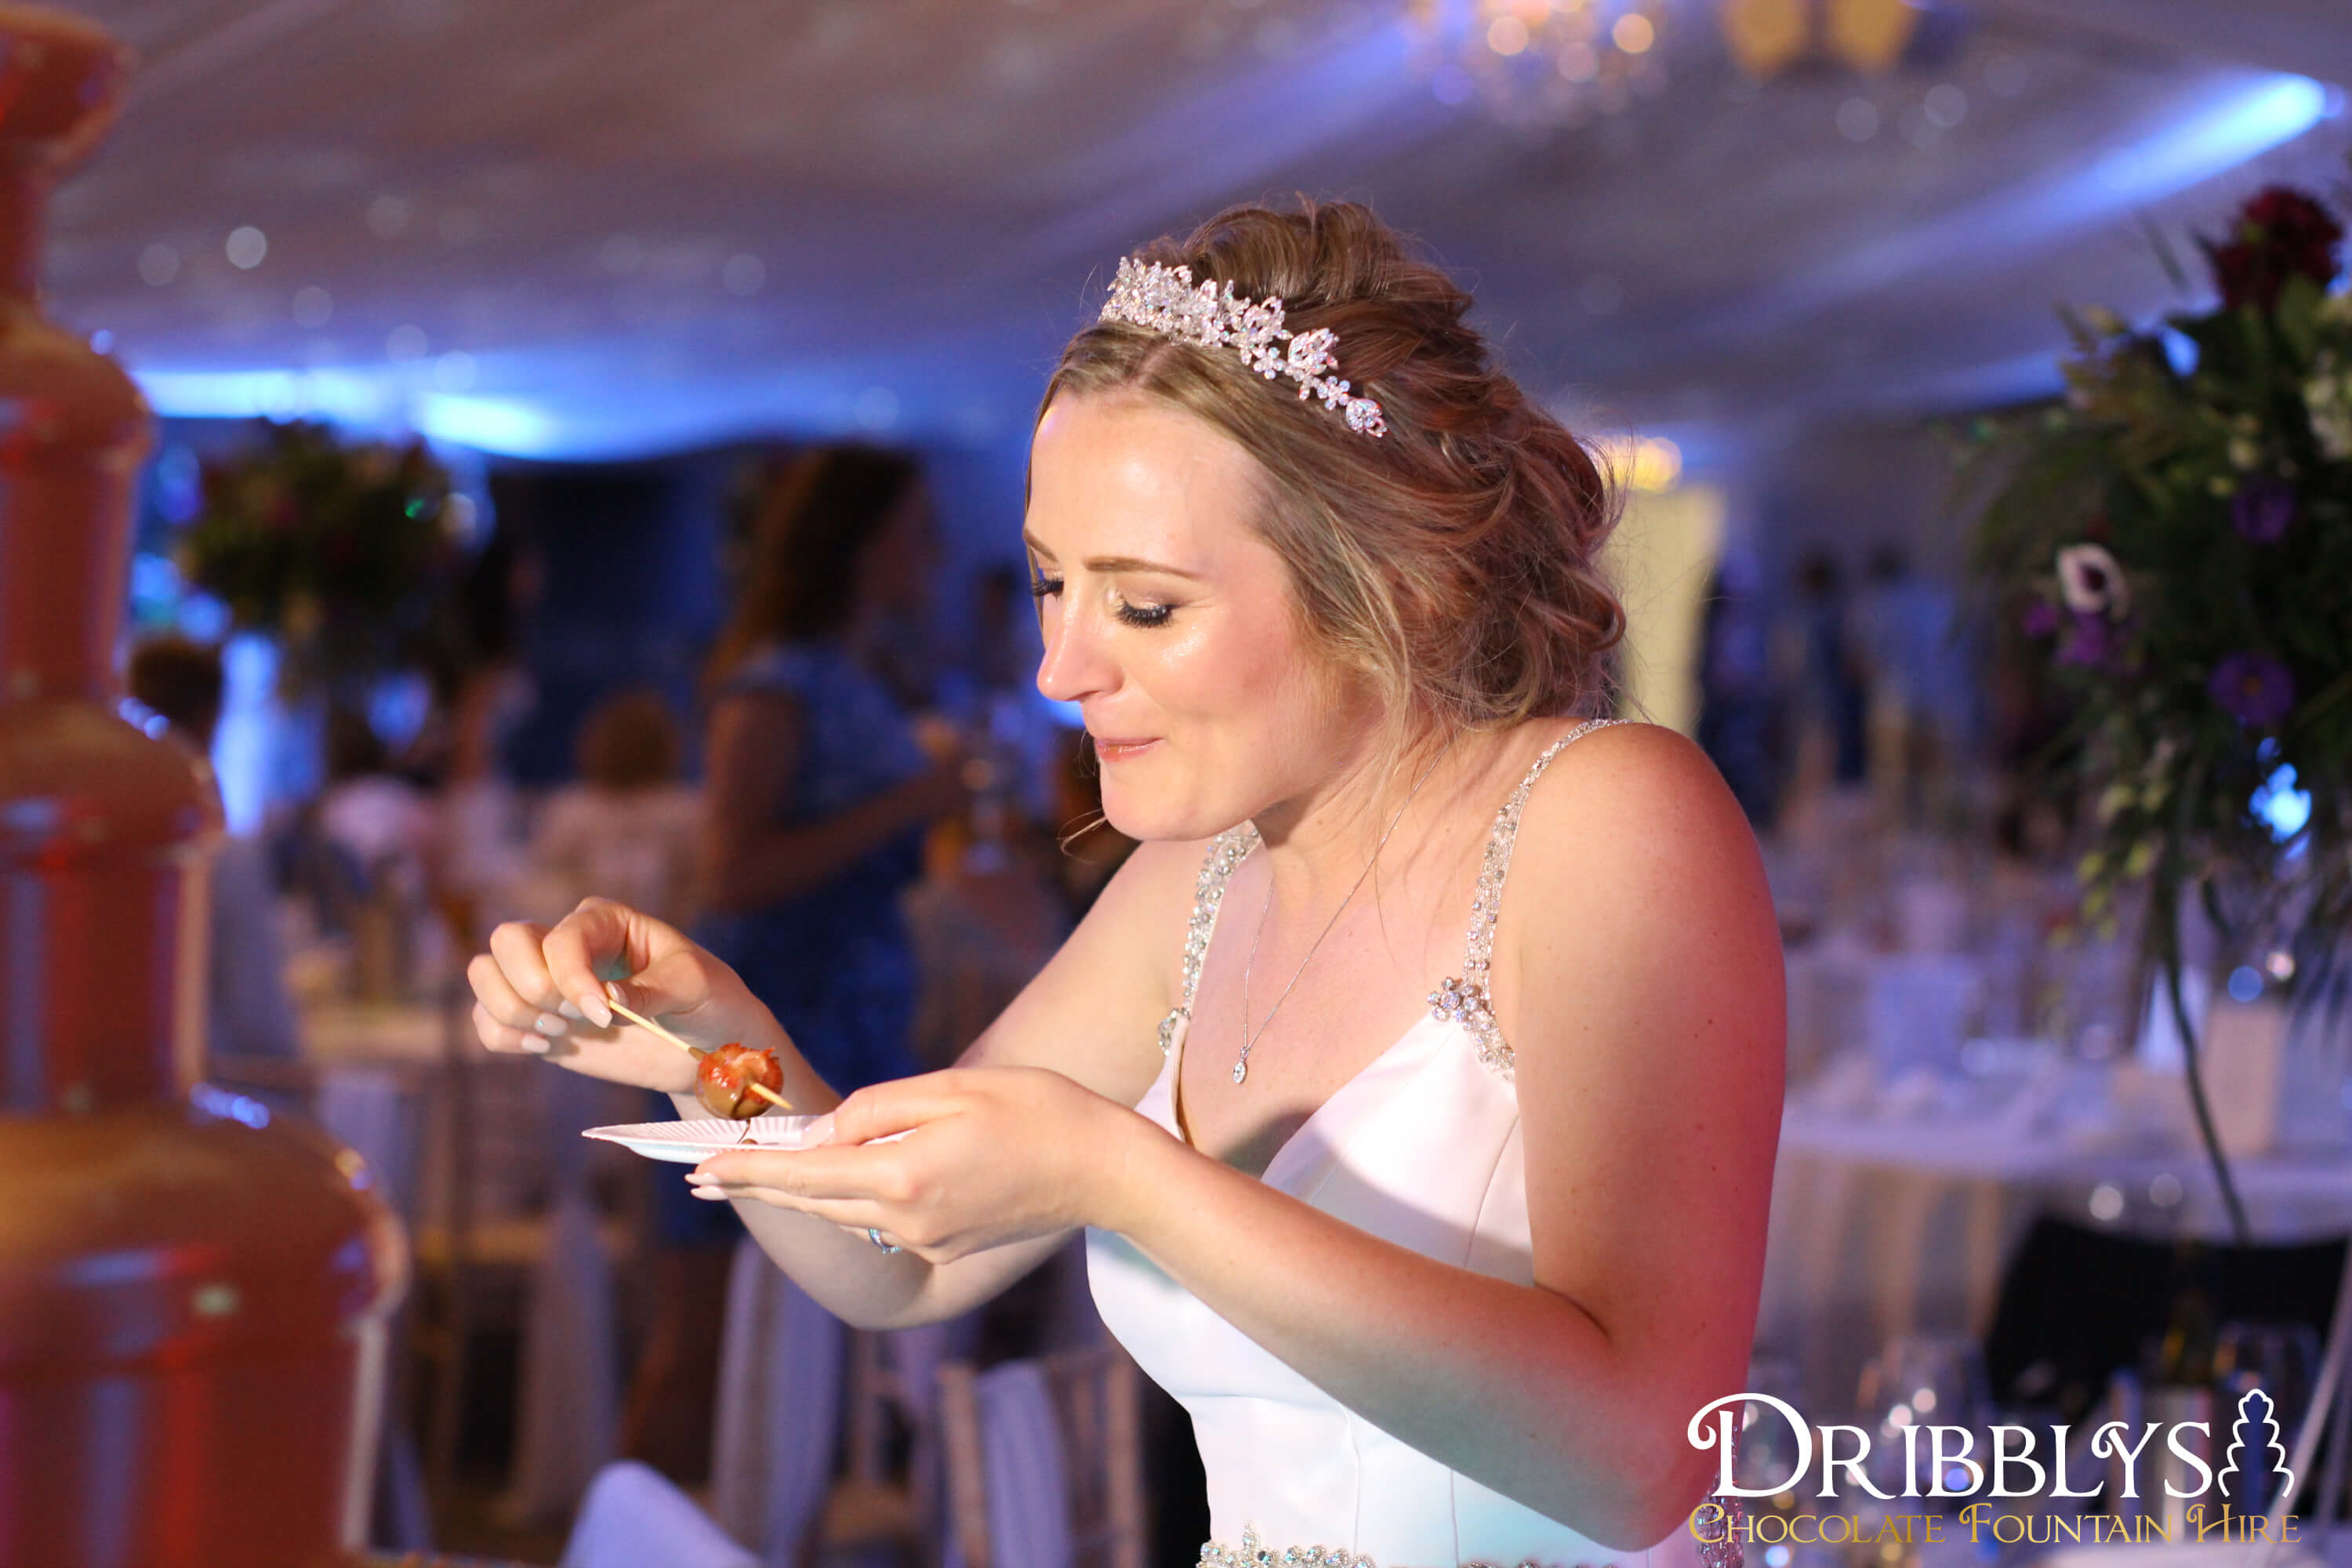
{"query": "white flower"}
(2328, 395)
(2092, 581)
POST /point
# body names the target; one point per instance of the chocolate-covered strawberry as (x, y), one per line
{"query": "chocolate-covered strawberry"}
(724, 1080)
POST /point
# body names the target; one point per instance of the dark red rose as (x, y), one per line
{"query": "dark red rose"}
(2280, 234)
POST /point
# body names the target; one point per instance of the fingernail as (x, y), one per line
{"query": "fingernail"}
(594, 1006)
(536, 1046)
(711, 1195)
(569, 1008)
(551, 1025)
(818, 1131)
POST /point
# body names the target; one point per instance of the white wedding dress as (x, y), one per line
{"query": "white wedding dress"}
(1422, 1148)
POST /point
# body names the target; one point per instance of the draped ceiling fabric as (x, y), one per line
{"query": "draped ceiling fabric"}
(583, 227)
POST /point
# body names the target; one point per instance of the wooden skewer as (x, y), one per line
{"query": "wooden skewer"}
(649, 1026)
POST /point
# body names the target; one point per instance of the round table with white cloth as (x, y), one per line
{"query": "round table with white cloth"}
(1901, 1213)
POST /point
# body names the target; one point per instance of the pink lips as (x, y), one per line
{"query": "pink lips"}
(1114, 750)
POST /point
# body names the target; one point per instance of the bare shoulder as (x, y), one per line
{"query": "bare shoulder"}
(1637, 888)
(1630, 797)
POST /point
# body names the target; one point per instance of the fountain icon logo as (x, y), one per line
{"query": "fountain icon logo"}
(2257, 1429)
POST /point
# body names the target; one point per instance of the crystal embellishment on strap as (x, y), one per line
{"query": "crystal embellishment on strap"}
(1465, 998)
(1253, 1553)
(1163, 299)
(1227, 850)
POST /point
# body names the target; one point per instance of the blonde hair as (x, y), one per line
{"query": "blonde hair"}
(1451, 561)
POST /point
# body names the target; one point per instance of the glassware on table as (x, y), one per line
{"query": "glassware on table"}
(1924, 1378)
(1919, 1010)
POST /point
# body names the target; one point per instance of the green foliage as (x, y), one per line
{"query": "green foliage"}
(345, 553)
(2216, 476)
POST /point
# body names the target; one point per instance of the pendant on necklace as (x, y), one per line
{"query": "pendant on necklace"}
(1241, 1068)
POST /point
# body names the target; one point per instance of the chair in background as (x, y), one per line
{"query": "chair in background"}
(631, 1517)
(1045, 1461)
(779, 1386)
(892, 1383)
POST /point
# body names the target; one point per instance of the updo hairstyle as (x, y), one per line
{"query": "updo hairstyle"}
(1451, 561)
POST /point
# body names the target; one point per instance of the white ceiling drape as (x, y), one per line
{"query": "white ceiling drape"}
(581, 228)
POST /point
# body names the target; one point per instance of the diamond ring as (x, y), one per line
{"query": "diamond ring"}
(873, 1234)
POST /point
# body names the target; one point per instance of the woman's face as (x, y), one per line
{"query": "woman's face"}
(1170, 623)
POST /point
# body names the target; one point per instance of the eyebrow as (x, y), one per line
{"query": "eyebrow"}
(1109, 563)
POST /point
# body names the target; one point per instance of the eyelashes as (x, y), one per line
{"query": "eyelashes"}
(1143, 615)
(1042, 587)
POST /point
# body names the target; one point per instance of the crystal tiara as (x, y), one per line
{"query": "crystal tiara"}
(1164, 300)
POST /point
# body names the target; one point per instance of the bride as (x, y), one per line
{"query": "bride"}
(1442, 1243)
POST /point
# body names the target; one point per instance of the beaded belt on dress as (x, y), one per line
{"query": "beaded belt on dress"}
(1250, 1553)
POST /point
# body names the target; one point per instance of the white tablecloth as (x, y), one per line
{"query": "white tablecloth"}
(1883, 1226)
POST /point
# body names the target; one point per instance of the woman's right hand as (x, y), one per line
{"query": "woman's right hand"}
(542, 991)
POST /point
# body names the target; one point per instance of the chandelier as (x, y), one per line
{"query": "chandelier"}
(1552, 63)
(1540, 64)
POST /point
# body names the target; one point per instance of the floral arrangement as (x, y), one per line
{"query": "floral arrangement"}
(2174, 545)
(344, 552)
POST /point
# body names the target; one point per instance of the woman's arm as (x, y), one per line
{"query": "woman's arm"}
(1639, 980)
(1092, 1016)
(1638, 976)
(753, 745)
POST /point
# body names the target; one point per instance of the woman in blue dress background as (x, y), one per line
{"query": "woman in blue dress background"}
(817, 793)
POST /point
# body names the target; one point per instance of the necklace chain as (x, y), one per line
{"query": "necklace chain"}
(1249, 1036)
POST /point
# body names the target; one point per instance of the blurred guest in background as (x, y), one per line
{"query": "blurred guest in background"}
(378, 841)
(628, 829)
(816, 796)
(248, 1012)
(1921, 690)
(1739, 717)
(817, 790)
(380, 819)
(1836, 697)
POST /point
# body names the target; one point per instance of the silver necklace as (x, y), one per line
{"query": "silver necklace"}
(1249, 1036)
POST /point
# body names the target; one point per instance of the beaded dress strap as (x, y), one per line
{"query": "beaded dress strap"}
(1465, 998)
(1226, 851)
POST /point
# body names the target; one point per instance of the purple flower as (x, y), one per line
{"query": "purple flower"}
(2040, 619)
(2263, 510)
(2254, 687)
(2088, 642)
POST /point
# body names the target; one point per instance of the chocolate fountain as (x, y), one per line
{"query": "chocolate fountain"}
(193, 1298)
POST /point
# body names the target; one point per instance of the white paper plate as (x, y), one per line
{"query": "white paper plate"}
(691, 1142)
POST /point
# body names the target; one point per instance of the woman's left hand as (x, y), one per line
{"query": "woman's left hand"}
(992, 1155)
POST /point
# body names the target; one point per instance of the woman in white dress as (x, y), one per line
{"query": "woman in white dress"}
(1442, 1244)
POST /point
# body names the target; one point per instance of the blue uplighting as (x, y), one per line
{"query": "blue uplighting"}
(228, 1106)
(2278, 803)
